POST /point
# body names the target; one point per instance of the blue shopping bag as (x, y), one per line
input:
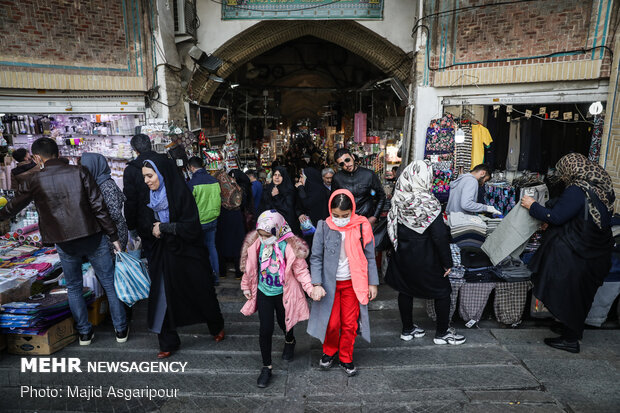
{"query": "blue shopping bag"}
(131, 279)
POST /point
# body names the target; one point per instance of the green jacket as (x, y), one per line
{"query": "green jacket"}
(206, 191)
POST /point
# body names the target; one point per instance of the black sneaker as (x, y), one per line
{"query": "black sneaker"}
(572, 346)
(264, 378)
(349, 368)
(85, 339)
(289, 350)
(326, 361)
(122, 336)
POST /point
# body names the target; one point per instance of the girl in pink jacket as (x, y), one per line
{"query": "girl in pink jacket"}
(275, 276)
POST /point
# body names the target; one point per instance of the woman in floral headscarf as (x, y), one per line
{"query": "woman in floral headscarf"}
(275, 276)
(575, 253)
(422, 260)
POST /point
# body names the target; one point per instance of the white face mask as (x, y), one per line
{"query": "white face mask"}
(341, 222)
(268, 241)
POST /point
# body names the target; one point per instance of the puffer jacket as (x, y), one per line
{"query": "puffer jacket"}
(68, 200)
(296, 280)
(361, 182)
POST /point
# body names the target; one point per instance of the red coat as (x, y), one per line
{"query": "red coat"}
(296, 280)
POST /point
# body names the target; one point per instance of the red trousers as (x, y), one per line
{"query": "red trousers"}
(342, 326)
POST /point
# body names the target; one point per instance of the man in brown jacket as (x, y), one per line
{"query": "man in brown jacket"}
(73, 216)
(25, 167)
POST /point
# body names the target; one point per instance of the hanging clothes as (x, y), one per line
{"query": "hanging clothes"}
(463, 151)
(499, 130)
(530, 148)
(514, 144)
(597, 135)
(480, 137)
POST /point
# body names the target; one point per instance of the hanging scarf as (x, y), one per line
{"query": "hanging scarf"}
(413, 204)
(358, 264)
(576, 169)
(159, 198)
(275, 224)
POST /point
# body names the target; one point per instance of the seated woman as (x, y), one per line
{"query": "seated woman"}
(182, 291)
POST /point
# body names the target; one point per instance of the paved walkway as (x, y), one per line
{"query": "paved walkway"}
(496, 370)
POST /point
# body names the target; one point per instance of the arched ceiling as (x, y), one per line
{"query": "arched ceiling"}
(267, 35)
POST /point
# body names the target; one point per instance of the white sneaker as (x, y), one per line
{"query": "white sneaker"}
(450, 338)
(417, 332)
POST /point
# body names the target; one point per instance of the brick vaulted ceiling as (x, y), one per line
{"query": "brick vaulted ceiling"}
(268, 34)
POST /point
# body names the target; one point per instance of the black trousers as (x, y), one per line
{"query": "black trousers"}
(168, 339)
(442, 311)
(266, 306)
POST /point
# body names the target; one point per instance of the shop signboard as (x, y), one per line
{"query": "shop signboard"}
(302, 9)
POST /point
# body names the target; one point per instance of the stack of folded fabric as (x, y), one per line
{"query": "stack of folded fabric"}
(467, 230)
(38, 312)
(514, 270)
(492, 224)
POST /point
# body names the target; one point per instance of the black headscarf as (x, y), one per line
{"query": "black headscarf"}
(246, 186)
(317, 196)
(286, 185)
(182, 208)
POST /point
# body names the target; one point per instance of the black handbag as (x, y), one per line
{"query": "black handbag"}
(382, 239)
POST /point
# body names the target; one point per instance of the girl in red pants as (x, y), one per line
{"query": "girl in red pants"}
(344, 275)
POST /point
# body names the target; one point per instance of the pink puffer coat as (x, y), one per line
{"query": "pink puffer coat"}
(296, 278)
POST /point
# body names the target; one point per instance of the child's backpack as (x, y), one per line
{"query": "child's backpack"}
(231, 192)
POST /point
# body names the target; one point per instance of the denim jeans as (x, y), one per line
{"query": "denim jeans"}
(103, 263)
(208, 232)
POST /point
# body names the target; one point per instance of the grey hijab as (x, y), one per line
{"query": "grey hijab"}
(97, 165)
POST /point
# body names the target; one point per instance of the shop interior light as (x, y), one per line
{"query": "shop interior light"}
(596, 108)
(459, 136)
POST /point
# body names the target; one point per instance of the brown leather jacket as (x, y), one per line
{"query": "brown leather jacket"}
(22, 172)
(68, 200)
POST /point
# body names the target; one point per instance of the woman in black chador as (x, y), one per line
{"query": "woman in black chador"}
(182, 290)
(575, 254)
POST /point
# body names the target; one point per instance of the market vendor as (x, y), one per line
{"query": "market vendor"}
(363, 183)
(464, 192)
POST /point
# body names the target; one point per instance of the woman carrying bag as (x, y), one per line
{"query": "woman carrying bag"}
(182, 292)
(421, 261)
(575, 252)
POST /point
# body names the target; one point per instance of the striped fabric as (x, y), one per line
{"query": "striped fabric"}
(131, 279)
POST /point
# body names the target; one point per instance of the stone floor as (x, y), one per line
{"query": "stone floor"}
(495, 370)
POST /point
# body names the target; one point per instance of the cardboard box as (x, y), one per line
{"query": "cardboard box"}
(55, 338)
(2, 342)
(98, 310)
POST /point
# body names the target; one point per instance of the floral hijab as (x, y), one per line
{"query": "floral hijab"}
(413, 204)
(576, 169)
(275, 224)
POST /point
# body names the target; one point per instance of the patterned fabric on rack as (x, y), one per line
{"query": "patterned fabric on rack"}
(458, 271)
(597, 134)
(510, 301)
(441, 184)
(501, 196)
(463, 150)
(474, 298)
(439, 140)
(456, 286)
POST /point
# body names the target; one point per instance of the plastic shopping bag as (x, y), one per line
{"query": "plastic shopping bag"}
(131, 279)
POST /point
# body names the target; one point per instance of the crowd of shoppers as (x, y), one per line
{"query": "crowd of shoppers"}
(191, 229)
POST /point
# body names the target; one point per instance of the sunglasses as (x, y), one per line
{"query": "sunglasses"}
(347, 160)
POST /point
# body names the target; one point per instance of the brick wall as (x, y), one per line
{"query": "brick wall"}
(82, 44)
(488, 37)
(611, 146)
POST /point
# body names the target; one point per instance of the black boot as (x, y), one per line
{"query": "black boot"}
(561, 343)
(289, 350)
(264, 378)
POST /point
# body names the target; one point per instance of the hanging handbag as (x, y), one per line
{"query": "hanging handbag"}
(131, 279)
(380, 232)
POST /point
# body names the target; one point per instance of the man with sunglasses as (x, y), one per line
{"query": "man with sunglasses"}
(363, 183)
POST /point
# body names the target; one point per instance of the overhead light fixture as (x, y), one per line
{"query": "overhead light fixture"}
(216, 79)
(207, 61)
(596, 108)
(397, 87)
(234, 85)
